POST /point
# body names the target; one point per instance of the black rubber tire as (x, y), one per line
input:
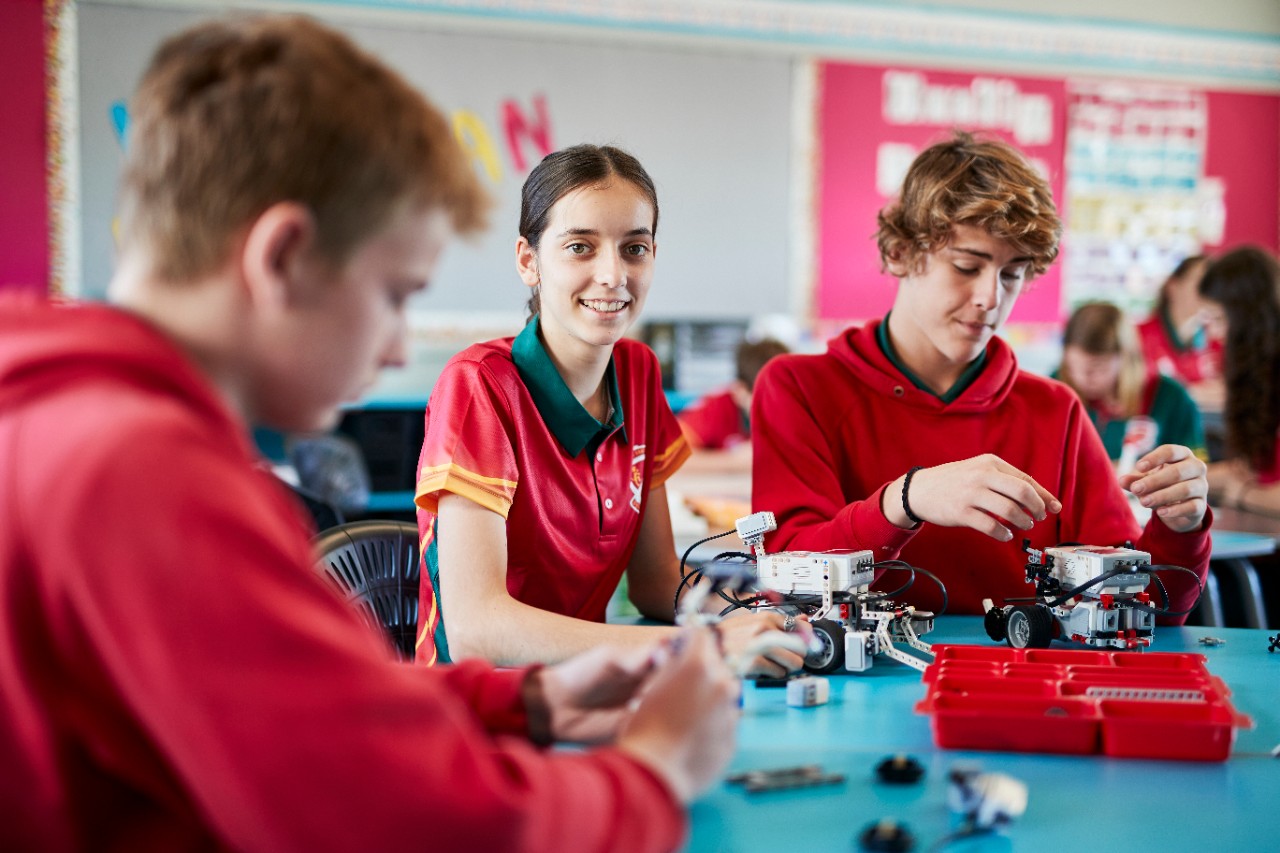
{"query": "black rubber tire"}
(994, 623)
(831, 658)
(1029, 626)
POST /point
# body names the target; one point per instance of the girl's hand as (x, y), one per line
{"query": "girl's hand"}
(743, 629)
(1228, 481)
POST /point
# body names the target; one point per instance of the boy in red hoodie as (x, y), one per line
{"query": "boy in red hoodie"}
(918, 436)
(174, 673)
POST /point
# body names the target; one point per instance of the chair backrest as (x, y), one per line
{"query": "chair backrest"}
(375, 566)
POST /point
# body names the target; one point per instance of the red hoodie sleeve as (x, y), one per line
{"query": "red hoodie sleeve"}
(202, 661)
(1096, 511)
(792, 476)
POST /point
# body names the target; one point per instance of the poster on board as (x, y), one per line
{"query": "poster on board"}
(1139, 197)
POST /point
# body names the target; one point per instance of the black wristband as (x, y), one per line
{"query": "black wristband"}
(906, 507)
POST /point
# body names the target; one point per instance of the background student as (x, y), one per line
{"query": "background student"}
(718, 426)
(1242, 289)
(1174, 340)
(722, 420)
(175, 674)
(918, 436)
(1133, 409)
(541, 478)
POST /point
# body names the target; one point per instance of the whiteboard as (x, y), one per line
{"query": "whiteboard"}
(712, 128)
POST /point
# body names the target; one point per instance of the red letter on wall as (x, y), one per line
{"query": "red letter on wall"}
(518, 125)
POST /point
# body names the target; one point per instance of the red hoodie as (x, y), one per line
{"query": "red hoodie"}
(175, 675)
(832, 430)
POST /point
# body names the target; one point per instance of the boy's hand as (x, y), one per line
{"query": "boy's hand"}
(984, 493)
(588, 696)
(685, 723)
(1172, 482)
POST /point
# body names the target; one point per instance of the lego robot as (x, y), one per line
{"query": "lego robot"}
(1094, 595)
(851, 624)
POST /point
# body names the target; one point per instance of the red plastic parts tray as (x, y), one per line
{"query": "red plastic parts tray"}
(1122, 704)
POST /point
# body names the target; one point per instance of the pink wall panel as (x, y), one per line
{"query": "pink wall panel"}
(1243, 149)
(24, 211)
(866, 118)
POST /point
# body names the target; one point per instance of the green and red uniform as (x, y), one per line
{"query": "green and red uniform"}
(1186, 361)
(831, 431)
(503, 430)
(1167, 403)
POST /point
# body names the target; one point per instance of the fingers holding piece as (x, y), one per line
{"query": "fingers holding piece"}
(1165, 454)
(1173, 482)
(1023, 488)
(982, 522)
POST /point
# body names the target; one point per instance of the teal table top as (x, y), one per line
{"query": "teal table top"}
(1074, 802)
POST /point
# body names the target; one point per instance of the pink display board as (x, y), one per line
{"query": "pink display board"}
(872, 120)
(24, 219)
(1184, 170)
(1244, 151)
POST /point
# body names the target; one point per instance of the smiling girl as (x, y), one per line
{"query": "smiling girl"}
(541, 476)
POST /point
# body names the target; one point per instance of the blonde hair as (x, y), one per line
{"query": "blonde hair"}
(1100, 328)
(985, 183)
(233, 116)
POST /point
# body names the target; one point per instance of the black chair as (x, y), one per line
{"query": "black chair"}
(375, 566)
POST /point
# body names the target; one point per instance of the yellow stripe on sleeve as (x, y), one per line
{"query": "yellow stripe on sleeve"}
(669, 461)
(492, 493)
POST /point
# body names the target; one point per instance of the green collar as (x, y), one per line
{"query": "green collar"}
(1197, 340)
(971, 372)
(571, 424)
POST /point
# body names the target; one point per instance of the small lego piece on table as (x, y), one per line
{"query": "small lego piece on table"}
(1275, 643)
(886, 836)
(1212, 641)
(808, 691)
(900, 770)
(783, 778)
(985, 801)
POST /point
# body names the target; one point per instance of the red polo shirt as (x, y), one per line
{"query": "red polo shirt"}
(715, 422)
(503, 430)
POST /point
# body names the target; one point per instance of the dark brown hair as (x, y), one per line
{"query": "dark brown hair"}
(752, 357)
(1246, 283)
(562, 172)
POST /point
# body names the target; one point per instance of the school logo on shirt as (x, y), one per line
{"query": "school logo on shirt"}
(637, 476)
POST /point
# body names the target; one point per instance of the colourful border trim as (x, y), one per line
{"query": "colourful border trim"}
(982, 39)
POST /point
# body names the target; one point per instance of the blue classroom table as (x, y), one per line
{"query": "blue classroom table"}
(1074, 802)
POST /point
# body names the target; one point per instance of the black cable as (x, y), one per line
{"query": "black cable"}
(728, 558)
(1164, 594)
(941, 586)
(1158, 611)
(685, 578)
(1074, 591)
(902, 565)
